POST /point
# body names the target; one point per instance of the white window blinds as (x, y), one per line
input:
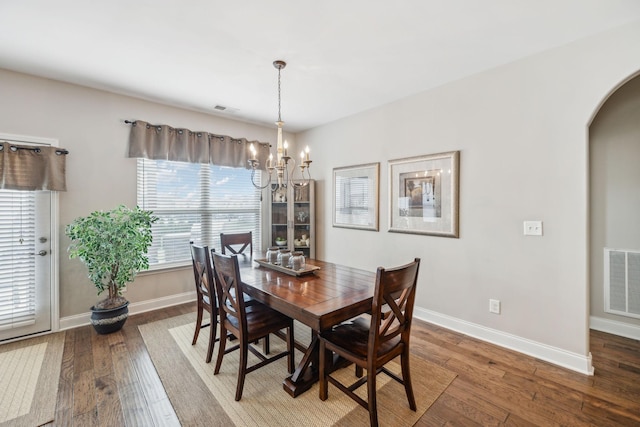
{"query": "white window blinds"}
(195, 202)
(17, 260)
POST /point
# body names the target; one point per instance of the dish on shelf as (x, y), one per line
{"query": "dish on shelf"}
(281, 242)
(308, 269)
(301, 243)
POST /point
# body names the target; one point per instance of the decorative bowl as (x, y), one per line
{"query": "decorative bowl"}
(281, 242)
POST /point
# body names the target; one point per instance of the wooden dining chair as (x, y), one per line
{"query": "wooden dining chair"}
(237, 243)
(248, 301)
(205, 295)
(247, 323)
(370, 345)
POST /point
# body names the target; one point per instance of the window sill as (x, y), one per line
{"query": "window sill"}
(164, 269)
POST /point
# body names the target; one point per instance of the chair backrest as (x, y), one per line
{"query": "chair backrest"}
(203, 274)
(231, 242)
(395, 293)
(229, 289)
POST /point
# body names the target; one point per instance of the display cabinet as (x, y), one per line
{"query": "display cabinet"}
(293, 218)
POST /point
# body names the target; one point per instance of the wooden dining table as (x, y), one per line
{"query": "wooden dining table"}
(330, 295)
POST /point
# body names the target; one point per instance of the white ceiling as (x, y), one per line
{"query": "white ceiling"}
(344, 56)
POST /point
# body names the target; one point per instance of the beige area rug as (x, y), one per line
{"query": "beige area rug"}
(200, 398)
(29, 373)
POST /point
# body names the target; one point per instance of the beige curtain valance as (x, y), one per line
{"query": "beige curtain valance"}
(162, 142)
(31, 168)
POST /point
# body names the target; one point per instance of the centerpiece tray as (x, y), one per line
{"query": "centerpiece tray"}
(308, 269)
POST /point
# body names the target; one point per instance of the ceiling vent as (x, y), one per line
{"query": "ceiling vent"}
(226, 110)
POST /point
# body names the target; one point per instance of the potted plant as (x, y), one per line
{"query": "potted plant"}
(113, 245)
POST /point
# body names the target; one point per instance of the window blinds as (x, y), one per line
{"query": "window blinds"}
(195, 203)
(17, 259)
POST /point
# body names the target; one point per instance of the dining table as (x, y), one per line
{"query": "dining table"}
(325, 297)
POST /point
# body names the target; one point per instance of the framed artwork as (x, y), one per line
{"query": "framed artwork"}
(355, 196)
(423, 194)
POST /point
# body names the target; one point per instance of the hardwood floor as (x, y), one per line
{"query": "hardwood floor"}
(109, 380)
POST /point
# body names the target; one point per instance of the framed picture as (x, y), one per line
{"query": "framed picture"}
(355, 196)
(423, 194)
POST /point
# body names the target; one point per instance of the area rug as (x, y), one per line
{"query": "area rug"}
(200, 398)
(29, 380)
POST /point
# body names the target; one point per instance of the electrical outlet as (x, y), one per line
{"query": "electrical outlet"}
(533, 228)
(494, 306)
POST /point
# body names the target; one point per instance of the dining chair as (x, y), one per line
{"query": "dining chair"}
(237, 243)
(247, 323)
(248, 301)
(371, 344)
(205, 295)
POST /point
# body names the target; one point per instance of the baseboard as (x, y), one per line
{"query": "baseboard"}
(557, 356)
(615, 327)
(134, 308)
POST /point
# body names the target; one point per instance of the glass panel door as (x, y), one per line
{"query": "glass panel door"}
(25, 263)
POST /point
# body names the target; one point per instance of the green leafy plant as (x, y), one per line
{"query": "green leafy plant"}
(113, 245)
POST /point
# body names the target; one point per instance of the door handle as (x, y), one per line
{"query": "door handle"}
(41, 253)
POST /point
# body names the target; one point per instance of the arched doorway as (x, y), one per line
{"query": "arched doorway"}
(614, 210)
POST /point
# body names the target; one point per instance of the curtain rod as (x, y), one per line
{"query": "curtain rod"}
(133, 122)
(14, 148)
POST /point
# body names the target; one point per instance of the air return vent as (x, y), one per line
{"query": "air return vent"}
(622, 282)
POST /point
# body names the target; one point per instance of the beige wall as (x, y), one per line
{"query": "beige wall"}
(615, 185)
(522, 132)
(89, 123)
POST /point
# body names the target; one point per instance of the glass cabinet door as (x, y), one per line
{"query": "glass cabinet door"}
(302, 220)
(279, 219)
(293, 219)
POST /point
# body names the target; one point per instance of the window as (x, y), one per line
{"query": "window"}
(195, 202)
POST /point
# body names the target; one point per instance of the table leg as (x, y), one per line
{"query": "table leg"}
(306, 374)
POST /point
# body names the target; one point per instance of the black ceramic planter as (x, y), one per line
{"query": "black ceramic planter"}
(109, 320)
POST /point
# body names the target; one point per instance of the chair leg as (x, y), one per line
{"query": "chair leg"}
(371, 392)
(198, 325)
(359, 371)
(291, 348)
(265, 345)
(322, 374)
(406, 378)
(212, 338)
(221, 348)
(242, 369)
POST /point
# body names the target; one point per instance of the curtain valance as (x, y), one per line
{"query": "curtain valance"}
(162, 142)
(30, 168)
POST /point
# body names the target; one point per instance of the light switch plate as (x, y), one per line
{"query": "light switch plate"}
(533, 228)
(494, 306)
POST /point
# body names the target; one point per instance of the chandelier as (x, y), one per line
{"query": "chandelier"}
(284, 166)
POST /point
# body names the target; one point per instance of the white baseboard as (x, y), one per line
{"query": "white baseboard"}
(557, 356)
(134, 308)
(615, 327)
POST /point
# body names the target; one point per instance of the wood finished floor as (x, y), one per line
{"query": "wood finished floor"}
(109, 380)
